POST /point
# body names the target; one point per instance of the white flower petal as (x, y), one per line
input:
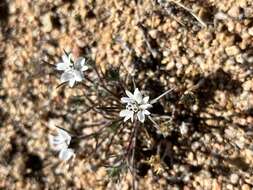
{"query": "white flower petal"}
(132, 117)
(78, 75)
(145, 106)
(56, 143)
(72, 76)
(65, 135)
(56, 139)
(146, 99)
(127, 114)
(80, 64)
(124, 113)
(126, 118)
(126, 100)
(137, 96)
(84, 68)
(59, 146)
(141, 116)
(66, 58)
(62, 66)
(66, 76)
(82, 61)
(70, 57)
(60, 141)
(51, 140)
(66, 154)
(72, 82)
(129, 94)
(146, 112)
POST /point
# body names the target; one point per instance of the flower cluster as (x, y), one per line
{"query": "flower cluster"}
(136, 104)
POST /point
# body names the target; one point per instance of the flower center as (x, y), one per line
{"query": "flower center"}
(72, 64)
(132, 107)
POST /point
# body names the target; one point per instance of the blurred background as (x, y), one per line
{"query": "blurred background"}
(213, 63)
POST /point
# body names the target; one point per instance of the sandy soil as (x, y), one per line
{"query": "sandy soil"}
(213, 64)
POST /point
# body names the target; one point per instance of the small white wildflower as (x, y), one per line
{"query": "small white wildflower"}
(135, 104)
(60, 143)
(73, 69)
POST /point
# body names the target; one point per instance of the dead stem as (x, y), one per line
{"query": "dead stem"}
(190, 11)
(155, 124)
(133, 156)
(163, 94)
(62, 84)
(175, 18)
(153, 51)
(49, 64)
(93, 134)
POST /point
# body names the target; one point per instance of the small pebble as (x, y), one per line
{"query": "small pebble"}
(234, 12)
(239, 58)
(250, 31)
(184, 128)
(245, 187)
(195, 145)
(232, 50)
(234, 178)
(47, 23)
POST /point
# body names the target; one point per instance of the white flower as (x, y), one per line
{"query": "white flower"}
(73, 69)
(136, 104)
(60, 143)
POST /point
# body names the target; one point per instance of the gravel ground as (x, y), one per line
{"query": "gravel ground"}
(212, 146)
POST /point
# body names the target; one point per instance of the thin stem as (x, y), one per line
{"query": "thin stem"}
(118, 131)
(88, 108)
(51, 65)
(174, 17)
(62, 84)
(103, 85)
(163, 94)
(97, 110)
(95, 124)
(108, 108)
(161, 116)
(133, 156)
(145, 36)
(134, 83)
(123, 83)
(191, 12)
(155, 124)
(92, 134)
(71, 134)
(130, 142)
(106, 126)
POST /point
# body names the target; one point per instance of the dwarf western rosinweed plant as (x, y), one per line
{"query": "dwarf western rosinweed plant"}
(119, 113)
